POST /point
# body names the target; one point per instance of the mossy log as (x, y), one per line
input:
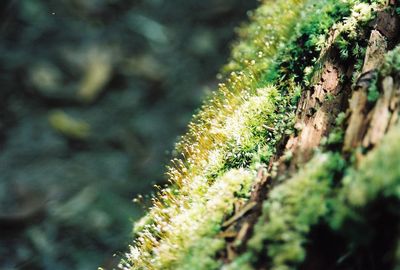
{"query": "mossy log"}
(307, 121)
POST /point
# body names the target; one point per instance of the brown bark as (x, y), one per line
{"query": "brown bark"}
(358, 110)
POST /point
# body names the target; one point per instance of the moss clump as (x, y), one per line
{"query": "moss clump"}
(189, 240)
(292, 208)
(378, 175)
(301, 53)
(364, 215)
(271, 28)
(391, 66)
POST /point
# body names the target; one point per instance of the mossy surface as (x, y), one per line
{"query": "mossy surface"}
(391, 65)
(312, 197)
(238, 129)
(378, 175)
(292, 208)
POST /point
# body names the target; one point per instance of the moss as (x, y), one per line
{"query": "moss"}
(335, 137)
(228, 132)
(250, 126)
(349, 31)
(202, 256)
(362, 217)
(391, 66)
(291, 209)
(378, 175)
(270, 29)
(188, 240)
(300, 54)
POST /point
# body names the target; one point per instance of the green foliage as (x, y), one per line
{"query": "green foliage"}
(336, 136)
(367, 203)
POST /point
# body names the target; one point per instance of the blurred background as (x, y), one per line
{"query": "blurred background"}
(93, 96)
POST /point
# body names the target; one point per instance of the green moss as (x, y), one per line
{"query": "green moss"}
(340, 118)
(300, 54)
(271, 27)
(242, 262)
(378, 175)
(335, 137)
(391, 66)
(202, 256)
(291, 209)
(188, 240)
(363, 211)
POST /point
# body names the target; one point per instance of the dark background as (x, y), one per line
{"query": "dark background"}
(93, 96)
